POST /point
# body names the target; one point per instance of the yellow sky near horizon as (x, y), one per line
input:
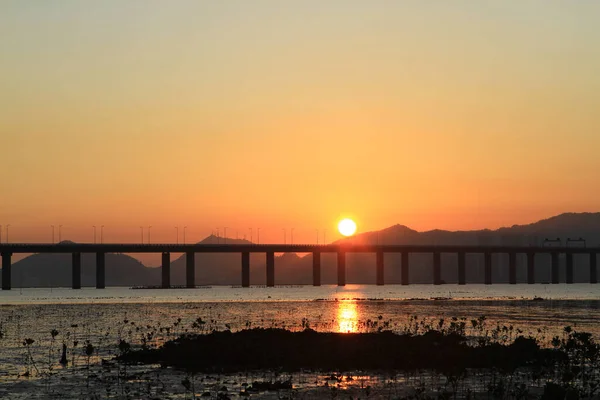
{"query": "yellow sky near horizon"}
(276, 115)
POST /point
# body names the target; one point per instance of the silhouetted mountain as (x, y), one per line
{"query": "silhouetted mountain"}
(54, 270)
(360, 268)
(218, 268)
(225, 268)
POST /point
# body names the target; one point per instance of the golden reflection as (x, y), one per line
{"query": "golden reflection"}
(347, 316)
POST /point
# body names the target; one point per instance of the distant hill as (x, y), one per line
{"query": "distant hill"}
(225, 269)
(360, 268)
(218, 268)
(54, 270)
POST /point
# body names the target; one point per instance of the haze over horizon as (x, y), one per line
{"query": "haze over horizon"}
(292, 115)
(569, 225)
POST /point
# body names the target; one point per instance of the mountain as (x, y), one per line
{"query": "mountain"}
(219, 268)
(54, 270)
(360, 268)
(290, 268)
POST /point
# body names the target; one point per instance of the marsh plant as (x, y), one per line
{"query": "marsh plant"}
(570, 362)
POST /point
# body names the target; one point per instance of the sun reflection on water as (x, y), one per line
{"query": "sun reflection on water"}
(347, 316)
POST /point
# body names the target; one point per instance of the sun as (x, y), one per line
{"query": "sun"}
(347, 227)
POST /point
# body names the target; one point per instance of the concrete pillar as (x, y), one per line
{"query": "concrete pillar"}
(593, 270)
(512, 268)
(379, 277)
(462, 274)
(341, 268)
(569, 277)
(316, 268)
(166, 270)
(100, 270)
(76, 271)
(488, 268)
(6, 271)
(270, 269)
(555, 275)
(569, 268)
(437, 268)
(530, 268)
(190, 270)
(404, 269)
(245, 269)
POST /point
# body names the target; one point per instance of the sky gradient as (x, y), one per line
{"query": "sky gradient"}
(272, 114)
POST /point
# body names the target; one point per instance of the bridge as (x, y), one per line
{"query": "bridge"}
(7, 250)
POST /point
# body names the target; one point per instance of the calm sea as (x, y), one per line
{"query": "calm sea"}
(300, 293)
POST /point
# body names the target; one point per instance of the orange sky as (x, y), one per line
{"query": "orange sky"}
(293, 114)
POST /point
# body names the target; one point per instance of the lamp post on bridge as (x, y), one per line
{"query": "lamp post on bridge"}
(52, 226)
(317, 236)
(250, 235)
(184, 228)
(149, 233)
(258, 235)
(292, 236)
(59, 233)
(7, 226)
(324, 232)
(142, 234)
(225, 234)
(101, 234)
(94, 233)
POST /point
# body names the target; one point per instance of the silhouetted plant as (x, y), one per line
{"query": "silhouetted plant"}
(30, 361)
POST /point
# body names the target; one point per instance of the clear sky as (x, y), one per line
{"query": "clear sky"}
(280, 114)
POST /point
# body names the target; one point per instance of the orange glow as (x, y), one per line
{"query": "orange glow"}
(360, 120)
(347, 317)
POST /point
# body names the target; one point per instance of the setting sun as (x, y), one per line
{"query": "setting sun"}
(347, 227)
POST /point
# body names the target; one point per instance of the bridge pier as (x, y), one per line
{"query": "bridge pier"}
(404, 269)
(316, 268)
(76, 270)
(245, 269)
(462, 274)
(593, 270)
(270, 269)
(512, 268)
(341, 268)
(190, 270)
(530, 268)
(379, 277)
(555, 275)
(569, 276)
(6, 271)
(437, 268)
(488, 268)
(100, 270)
(166, 270)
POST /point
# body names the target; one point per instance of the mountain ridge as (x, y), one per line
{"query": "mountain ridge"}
(47, 270)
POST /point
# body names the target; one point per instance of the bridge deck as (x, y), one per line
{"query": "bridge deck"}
(280, 248)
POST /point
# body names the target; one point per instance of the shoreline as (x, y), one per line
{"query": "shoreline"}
(509, 300)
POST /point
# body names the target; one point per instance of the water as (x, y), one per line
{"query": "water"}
(581, 291)
(103, 317)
